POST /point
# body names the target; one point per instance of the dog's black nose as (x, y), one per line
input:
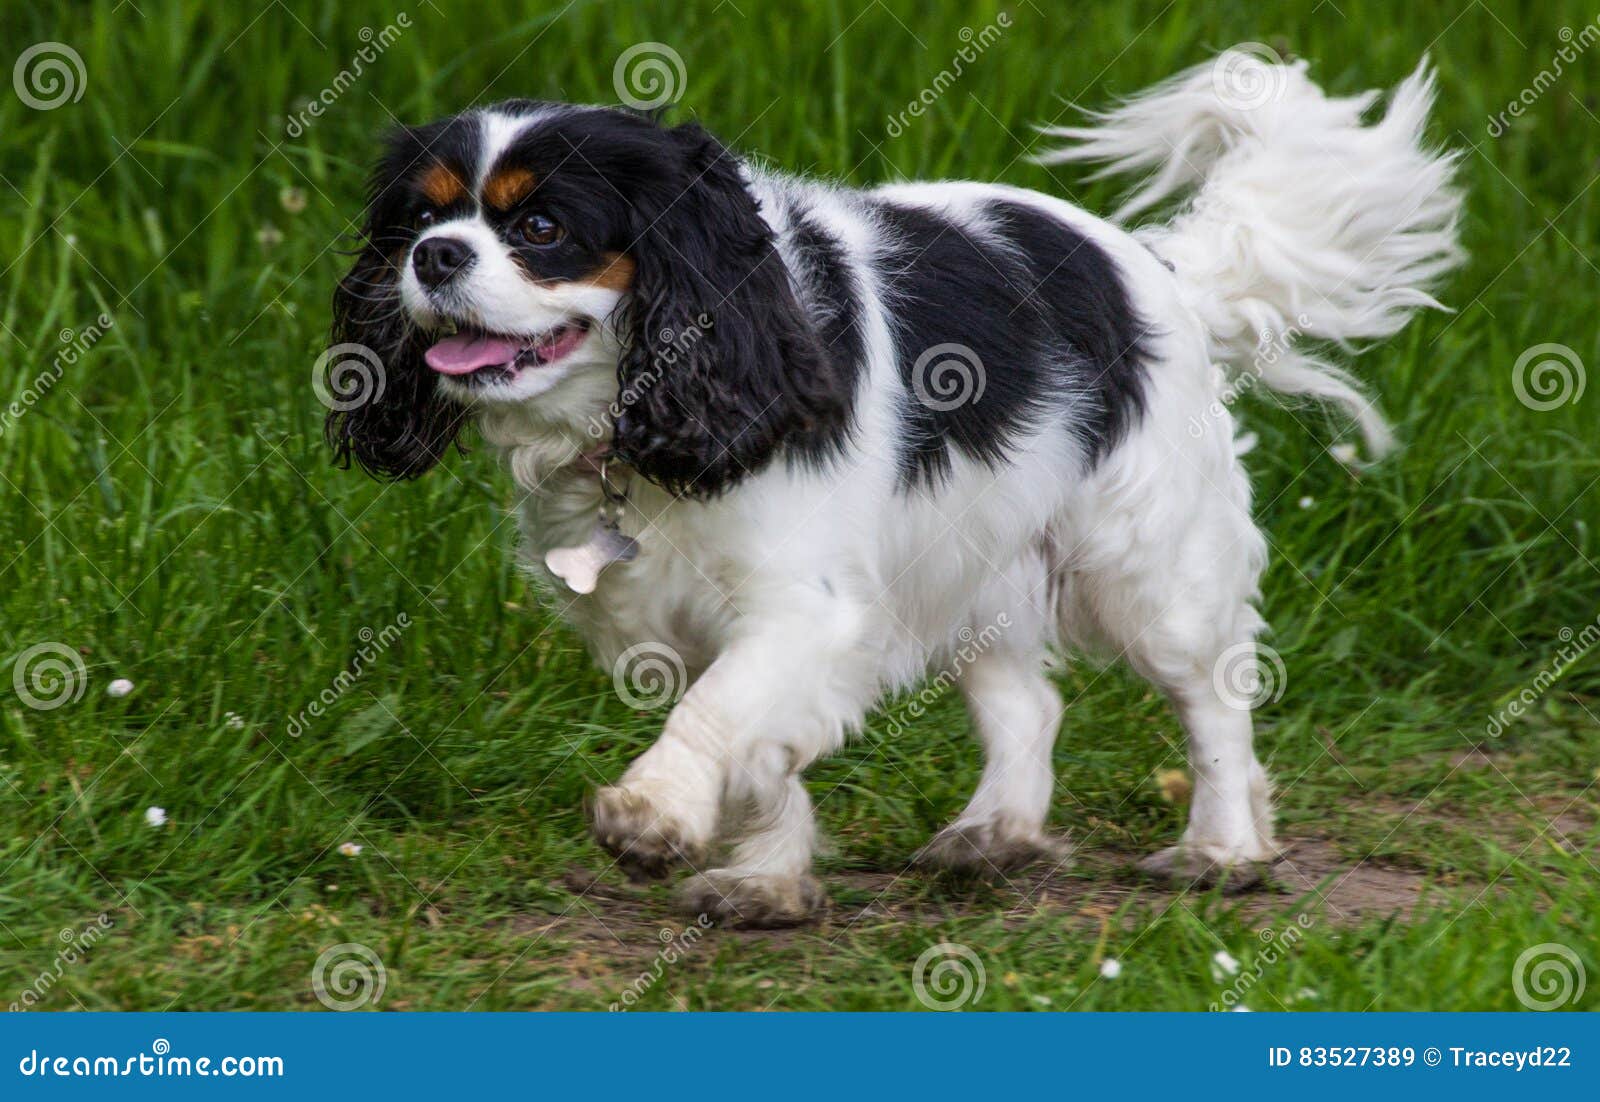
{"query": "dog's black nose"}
(438, 259)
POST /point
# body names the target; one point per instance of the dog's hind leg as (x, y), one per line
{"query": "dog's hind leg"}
(1016, 713)
(1177, 601)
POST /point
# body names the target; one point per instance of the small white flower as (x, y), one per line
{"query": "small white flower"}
(1041, 1000)
(1345, 454)
(1110, 969)
(233, 721)
(1240, 1009)
(1225, 963)
(1305, 994)
(1307, 502)
(120, 687)
(350, 849)
(155, 816)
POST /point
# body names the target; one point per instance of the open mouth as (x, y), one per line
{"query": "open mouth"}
(480, 355)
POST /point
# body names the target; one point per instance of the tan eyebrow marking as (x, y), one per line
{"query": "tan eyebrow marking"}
(617, 275)
(442, 185)
(507, 187)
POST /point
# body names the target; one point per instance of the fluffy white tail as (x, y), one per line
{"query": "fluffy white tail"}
(1304, 221)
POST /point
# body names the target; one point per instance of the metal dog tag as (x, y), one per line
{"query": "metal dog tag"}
(580, 567)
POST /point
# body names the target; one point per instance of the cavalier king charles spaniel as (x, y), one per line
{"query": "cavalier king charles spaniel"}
(808, 444)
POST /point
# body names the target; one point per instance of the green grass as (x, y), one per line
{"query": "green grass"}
(169, 514)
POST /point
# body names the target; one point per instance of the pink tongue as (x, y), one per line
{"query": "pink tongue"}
(462, 353)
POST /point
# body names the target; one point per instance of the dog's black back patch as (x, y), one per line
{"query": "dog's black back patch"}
(832, 294)
(997, 328)
(1089, 313)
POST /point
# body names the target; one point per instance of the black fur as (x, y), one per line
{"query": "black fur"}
(730, 358)
(758, 378)
(1045, 315)
(832, 296)
(407, 428)
(1087, 310)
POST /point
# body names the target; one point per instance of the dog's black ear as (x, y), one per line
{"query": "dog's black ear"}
(721, 366)
(384, 408)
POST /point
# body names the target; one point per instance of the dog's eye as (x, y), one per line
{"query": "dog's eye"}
(538, 229)
(423, 218)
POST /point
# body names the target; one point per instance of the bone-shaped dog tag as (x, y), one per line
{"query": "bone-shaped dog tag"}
(580, 567)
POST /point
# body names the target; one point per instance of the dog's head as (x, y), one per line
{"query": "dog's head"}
(519, 253)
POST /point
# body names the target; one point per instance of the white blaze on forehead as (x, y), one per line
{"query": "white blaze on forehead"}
(500, 130)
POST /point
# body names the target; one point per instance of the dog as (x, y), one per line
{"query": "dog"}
(804, 443)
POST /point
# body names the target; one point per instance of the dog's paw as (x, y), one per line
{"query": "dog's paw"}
(730, 897)
(1190, 866)
(646, 840)
(990, 849)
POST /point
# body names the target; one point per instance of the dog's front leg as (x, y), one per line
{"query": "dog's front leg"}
(783, 692)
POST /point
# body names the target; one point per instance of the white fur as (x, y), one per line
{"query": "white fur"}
(799, 598)
(1305, 221)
